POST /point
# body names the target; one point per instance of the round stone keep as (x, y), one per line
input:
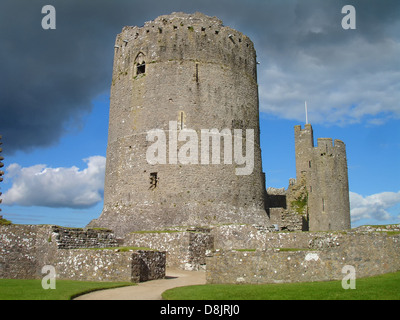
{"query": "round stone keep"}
(181, 83)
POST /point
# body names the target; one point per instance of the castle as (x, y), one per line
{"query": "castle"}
(184, 177)
(192, 71)
(200, 76)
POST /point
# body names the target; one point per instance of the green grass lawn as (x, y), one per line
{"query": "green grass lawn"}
(386, 287)
(383, 287)
(16, 289)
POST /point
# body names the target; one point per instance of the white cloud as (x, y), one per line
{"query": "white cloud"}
(373, 206)
(345, 78)
(40, 185)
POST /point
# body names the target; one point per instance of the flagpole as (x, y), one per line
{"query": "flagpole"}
(305, 106)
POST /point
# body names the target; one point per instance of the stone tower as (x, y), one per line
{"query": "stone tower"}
(176, 76)
(323, 172)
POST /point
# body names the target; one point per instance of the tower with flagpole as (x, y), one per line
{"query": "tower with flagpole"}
(322, 169)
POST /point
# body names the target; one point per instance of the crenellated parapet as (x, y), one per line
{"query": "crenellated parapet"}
(182, 37)
(326, 147)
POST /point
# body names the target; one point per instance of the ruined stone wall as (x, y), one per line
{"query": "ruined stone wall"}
(200, 75)
(254, 237)
(26, 249)
(175, 243)
(287, 209)
(93, 265)
(369, 254)
(73, 238)
(109, 265)
(148, 265)
(239, 236)
(185, 248)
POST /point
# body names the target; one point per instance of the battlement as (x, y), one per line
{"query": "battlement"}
(324, 142)
(326, 147)
(339, 143)
(329, 142)
(180, 18)
(183, 37)
(298, 129)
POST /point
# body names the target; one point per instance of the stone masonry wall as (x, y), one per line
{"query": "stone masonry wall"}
(26, 249)
(110, 265)
(186, 248)
(243, 254)
(72, 238)
(287, 209)
(242, 236)
(370, 254)
(148, 265)
(93, 265)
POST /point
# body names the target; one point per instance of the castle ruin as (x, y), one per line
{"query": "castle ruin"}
(184, 78)
(188, 74)
(198, 75)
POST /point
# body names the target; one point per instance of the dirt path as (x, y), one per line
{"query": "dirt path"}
(149, 290)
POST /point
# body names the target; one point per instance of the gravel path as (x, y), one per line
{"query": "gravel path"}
(149, 290)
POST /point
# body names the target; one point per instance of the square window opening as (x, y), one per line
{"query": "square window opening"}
(141, 68)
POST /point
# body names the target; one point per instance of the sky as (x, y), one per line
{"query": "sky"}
(55, 84)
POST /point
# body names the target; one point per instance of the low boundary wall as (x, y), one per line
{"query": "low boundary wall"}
(228, 253)
(322, 258)
(26, 249)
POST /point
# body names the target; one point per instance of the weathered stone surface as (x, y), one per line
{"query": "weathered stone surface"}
(322, 258)
(202, 75)
(321, 192)
(148, 265)
(26, 249)
(186, 247)
(73, 238)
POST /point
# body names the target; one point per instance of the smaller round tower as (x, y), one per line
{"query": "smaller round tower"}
(323, 170)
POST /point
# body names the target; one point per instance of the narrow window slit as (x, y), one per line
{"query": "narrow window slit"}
(153, 180)
(181, 120)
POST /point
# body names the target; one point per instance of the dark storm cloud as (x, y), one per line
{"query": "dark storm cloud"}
(49, 77)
